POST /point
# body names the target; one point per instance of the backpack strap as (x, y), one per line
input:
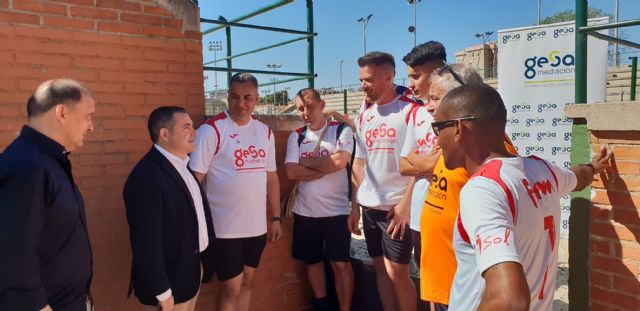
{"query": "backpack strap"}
(341, 127)
(301, 134)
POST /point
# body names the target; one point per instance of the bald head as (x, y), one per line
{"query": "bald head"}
(54, 92)
(478, 100)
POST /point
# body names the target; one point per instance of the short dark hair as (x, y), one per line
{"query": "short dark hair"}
(242, 77)
(479, 100)
(311, 91)
(162, 117)
(54, 92)
(377, 58)
(421, 54)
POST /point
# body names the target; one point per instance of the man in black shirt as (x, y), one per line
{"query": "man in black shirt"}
(46, 256)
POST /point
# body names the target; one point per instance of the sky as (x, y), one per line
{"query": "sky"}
(340, 37)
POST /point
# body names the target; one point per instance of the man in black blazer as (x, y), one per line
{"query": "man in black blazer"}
(170, 223)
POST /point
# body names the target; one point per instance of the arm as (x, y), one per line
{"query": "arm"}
(424, 163)
(506, 288)
(144, 204)
(273, 202)
(357, 175)
(201, 157)
(407, 169)
(21, 218)
(327, 165)
(399, 214)
(298, 172)
(340, 118)
(585, 173)
(199, 176)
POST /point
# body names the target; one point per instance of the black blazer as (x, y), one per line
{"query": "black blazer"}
(163, 229)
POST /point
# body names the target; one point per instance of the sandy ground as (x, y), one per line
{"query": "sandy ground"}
(561, 301)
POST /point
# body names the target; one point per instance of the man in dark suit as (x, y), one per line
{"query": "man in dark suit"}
(170, 223)
(45, 254)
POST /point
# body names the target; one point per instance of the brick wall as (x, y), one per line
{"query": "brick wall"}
(615, 226)
(135, 55)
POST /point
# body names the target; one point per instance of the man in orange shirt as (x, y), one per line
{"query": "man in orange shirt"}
(438, 262)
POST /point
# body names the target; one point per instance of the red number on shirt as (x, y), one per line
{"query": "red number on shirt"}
(550, 227)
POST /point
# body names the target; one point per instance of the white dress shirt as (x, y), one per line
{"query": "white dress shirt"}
(181, 166)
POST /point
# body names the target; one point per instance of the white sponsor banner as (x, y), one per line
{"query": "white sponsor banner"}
(536, 78)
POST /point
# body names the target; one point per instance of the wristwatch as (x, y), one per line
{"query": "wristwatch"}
(593, 169)
(276, 218)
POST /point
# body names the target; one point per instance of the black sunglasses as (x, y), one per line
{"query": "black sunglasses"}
(440, 125)
(451, 71)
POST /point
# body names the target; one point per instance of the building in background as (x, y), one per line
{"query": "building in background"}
(482, 57)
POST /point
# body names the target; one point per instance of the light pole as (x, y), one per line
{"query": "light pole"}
(364, 21)
(274, 66)
(205, 85)
(341, 61)
(539, 11)
(484, 36)
(413, 28)
(215, 46)
(615, 44)
(285, 91)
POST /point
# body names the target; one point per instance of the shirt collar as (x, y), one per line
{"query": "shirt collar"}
(175, 160)
(45, 144)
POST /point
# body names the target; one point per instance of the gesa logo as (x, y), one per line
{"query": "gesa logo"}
(554, 59)
(556, 150)
(513, 121)
(520, 107)
(520, 135)
(567, 136)
(545, 135)
(546, 107)
(560, 121)
(251, 155)
(321, 153)
(427, 141)
(562, 31)
(533, 149)
(534, 121)
(507, 38)
(536, 35)
(379, 133)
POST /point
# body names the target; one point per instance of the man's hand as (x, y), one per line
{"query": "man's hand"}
(399, 216)
(601, 160)
(166, 305)
(47, 308)
(353, 220)
(276, 231)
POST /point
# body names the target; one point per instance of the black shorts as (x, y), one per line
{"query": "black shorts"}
(379, 242)
(233, 254)
(312, 236)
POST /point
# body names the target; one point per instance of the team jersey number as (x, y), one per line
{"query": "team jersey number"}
(550, 227)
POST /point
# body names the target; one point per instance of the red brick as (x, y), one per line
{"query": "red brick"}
(85, 171)
(121, 99)
(11, 111)
(19, 18)
(119, 4)
(81, 2)
(123, 76)
(4, 3)
(44, 33)
(161, 55)
(89, 147)
(601, 247)
(119, 27)
(139, 135)
(616, 137)
(150, 88)
(66, 22)
(78, 74)
(147, 66)
(617, 299)
(141, 19)
(124, 124)
(617, 198)
(195, 35)
(616, 266)
(626, 217)
(105, 87)
(127, 146)
(172, 22)
(602, 280)
(627, 285)
(162, 32)
(96, 38)
(110, 112)
(144, 42)
(121, 52)
(610, 230)
(40, 6)
(623, 167)
(98, 63)
(121, 169)
(600, 213)
(105, 135)
(96, 13)
(156, 10)
(42, 59)
(628, 252)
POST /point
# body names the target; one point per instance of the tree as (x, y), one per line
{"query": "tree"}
(281, 97)
(570, 15)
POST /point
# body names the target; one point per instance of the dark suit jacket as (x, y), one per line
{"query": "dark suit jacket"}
(163, 229)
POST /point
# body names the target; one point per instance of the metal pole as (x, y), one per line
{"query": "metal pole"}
(344, 92)
(415, 28)
(310, 46)
(341, 74)
(581, 53)
(539, 12)
(252, 14)
(229, 62)
(634, 76)
(364, 36)
(616, 61)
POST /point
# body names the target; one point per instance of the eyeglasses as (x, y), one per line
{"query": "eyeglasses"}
(441, 125)
(451, 71)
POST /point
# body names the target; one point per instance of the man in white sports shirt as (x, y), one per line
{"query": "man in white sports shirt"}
(506, 239)
(381, 190)
(235, 153)
(322, 203)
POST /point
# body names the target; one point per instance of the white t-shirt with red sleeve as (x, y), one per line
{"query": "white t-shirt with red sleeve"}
(420, 137)
(327, 196)
(510, 212)
(380, 134)
(236, 160)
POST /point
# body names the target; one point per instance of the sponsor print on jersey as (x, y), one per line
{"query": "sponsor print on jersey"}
(426, 144)
(490, 240)
(320, 153)
(381, 139)
(250, 159)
